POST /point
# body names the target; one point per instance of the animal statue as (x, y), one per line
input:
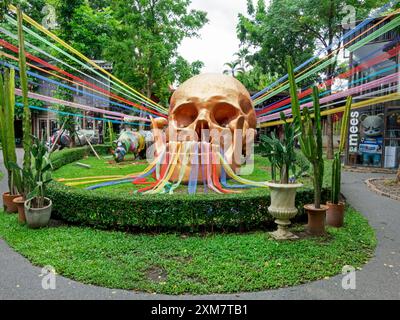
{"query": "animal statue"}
(372, 140)
(132, 142)
(64, 140)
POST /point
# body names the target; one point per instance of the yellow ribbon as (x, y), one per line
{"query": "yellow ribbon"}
(389, 97)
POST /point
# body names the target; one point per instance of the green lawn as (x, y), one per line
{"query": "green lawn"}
(197, 264)
(109, 167)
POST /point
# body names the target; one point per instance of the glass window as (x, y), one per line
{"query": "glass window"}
(366, 136)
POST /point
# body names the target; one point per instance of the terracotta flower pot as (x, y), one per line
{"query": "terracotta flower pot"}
(9, 205)
(316, 219)
(335, 214)
(19, 202)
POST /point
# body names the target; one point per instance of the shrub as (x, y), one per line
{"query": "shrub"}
(69, 155)
(181, 212)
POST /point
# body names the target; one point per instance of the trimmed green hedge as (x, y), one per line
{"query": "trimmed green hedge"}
(69, 155)
(182, 212)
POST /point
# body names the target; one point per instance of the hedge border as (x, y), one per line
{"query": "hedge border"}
(181, 212)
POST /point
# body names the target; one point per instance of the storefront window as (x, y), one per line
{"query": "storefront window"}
(374, 137)
(366, 137)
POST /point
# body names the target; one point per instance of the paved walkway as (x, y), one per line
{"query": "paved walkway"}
(379, 279)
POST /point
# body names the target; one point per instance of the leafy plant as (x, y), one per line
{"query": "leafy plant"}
(41, 171)
(281, 152)
(311, 133)
(39, 174)
(26, 115)
(336, 164)
(7, 136)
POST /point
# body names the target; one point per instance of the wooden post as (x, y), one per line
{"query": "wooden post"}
(58, 136)
(90, 145)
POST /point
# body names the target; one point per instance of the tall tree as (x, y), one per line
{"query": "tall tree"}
(3, 8)
(145, 42)
(297, 28)
(233, 68)
(255, 79)
(242, 55)
(184, 70)
(85, 28)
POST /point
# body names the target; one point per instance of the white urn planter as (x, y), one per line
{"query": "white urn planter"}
(283, 208)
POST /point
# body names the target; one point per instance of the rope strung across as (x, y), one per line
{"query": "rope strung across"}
(80, 55)
(52, 67)
(81, 115)
(365, 65)
(314, 68)
(370, 85)
(60, 84)
(369, 102)
(115, 86)
(67, 65)
(76, 105)
(373, 16)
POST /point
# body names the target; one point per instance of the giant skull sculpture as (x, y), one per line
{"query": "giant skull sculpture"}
(215, 102)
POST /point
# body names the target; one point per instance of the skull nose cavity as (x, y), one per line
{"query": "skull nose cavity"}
(200, 128)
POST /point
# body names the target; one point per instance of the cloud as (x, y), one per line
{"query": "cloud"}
(218, 41)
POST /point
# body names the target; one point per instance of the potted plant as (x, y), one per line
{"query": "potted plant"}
(25, 174)
(335, 212)
(282, 156)
(7, 136)
(310, 140)
(38, 207)
(28, 183)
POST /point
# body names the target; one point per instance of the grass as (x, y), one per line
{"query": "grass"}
(107, 166)
(195, 264)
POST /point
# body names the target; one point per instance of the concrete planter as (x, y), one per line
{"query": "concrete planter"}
(283, 208)
(38, 217)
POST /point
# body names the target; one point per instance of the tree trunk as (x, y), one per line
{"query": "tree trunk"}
(398, 175)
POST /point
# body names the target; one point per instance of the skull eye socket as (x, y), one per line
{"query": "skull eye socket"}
(185, 115)
(224, 113)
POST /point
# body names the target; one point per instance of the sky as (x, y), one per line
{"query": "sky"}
(218, 41)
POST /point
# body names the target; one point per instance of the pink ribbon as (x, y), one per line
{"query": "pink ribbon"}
(393, 78)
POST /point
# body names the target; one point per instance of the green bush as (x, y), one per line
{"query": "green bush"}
(182, 212)
(69, 155)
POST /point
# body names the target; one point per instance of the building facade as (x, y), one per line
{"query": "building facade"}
(44, 123)
(374, 130)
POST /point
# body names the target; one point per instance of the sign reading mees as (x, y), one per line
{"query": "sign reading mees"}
(354, 131)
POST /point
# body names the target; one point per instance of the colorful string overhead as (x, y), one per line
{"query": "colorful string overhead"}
(84, 58)
(373, 16)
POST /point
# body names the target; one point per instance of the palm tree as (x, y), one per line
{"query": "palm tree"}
(242, 55)
(233, 68)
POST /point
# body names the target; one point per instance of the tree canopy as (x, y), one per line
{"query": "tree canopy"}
(143, 47)
(296, 28)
